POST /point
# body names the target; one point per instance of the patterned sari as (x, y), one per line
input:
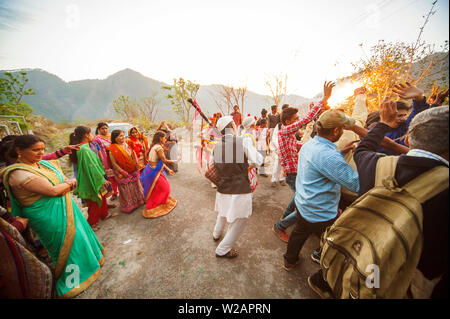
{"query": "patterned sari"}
(130, 188)
(157, 192)
(104, 143)
(27, 276)
(76, 252)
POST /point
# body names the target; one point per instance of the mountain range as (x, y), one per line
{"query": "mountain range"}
(77, 101)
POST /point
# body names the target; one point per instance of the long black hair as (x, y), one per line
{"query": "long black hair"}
(9, 144)
(6, 147)
(157, 138)
(75, 138)
(99, 126)
(114, 135)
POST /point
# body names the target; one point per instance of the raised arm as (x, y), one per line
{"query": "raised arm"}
(386, 142)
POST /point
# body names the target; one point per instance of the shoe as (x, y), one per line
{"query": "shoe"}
(264, 175)
(231, 254)
(273, 185)
(320, 286)
(281, 234)
(288, 267)
(283, 183)
(315, 256)
(215, 239)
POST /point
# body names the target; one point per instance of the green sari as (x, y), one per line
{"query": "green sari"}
(62, 229)
(90, 175)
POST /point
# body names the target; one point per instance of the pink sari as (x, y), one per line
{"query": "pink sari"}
(104, 143)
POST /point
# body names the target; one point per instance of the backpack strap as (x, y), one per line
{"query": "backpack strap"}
(428, 184)
(386, 166)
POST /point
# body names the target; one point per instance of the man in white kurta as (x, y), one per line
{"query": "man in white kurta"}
(233, 209)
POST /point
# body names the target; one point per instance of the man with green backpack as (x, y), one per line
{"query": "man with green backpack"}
(392, 242)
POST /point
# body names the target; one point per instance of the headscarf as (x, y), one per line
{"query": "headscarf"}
(135, 145)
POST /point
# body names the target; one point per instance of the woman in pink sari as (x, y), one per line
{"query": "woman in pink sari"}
(103, 139)
(153, 178)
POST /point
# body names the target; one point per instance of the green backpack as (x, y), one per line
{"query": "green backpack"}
(373, 248)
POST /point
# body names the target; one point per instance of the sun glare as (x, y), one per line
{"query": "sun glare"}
(342, 91)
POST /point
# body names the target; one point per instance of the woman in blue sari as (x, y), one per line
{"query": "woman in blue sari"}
(40, 192)
(153, 178)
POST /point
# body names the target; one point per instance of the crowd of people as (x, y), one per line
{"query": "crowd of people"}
(332, 161)
(43, 231)
(329, 160)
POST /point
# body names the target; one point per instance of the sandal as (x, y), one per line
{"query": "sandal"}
(112, 206)
(215, 239)
(95, 228)
(231, 254)
(114, 197)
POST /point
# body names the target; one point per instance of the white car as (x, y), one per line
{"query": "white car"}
(120, 126)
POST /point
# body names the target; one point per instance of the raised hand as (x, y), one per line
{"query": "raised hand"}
(408, 91)
(388, 113)
(327, 89)
(440, 97)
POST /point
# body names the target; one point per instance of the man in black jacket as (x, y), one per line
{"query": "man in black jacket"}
(428, 140)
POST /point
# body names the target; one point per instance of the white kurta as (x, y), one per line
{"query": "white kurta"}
(233, 206)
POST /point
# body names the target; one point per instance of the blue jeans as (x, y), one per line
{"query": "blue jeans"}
(289, 215)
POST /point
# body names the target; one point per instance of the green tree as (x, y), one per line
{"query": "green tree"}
(12, 90)
(126, 108)
(178, 94)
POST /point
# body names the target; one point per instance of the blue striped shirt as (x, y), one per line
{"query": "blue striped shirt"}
(322, 171)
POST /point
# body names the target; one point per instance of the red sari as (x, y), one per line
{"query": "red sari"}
(130, 188)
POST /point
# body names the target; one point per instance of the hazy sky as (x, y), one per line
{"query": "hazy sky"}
(228, 42)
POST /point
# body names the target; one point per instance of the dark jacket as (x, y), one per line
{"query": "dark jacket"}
(434, 259)
(231, 165)
(398, 134)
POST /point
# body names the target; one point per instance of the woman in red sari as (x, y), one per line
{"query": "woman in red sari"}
(126, 170)
(139, 144)
(153, 178)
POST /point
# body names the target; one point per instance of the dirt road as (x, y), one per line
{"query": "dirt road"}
(174, 256)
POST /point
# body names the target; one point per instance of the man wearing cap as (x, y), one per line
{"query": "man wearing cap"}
(428, 139)
(322, 171)
(232, 158)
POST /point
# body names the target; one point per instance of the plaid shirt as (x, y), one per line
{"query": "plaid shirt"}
(288, 144)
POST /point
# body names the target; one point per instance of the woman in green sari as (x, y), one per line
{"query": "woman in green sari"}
(40, 192)
(92, 183)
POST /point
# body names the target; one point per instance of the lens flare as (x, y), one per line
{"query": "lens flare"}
(342, 91)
